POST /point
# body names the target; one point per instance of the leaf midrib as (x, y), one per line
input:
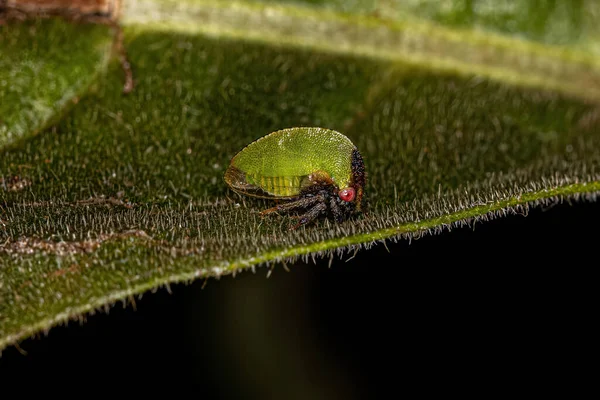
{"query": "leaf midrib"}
(503, 58)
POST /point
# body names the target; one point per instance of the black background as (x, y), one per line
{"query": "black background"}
(505, 302)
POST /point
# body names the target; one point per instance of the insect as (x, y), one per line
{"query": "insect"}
(317, 170)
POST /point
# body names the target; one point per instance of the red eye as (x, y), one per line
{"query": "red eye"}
(347, 194)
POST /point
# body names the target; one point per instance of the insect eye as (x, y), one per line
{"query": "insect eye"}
(347, 194)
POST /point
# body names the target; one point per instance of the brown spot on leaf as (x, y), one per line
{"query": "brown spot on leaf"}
(108, 201)
(25, 246)
(14, 183)
(77, 9)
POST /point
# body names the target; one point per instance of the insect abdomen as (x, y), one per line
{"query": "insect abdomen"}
(284, 186)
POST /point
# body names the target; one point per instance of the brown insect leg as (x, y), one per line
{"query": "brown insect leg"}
(310, 215)
(338, 214)
(303, 202)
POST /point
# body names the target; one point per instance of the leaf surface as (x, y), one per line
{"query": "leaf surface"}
(125, 193)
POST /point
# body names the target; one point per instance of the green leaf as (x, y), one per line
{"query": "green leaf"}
(125, 193)
(573, 23)
(40, 80)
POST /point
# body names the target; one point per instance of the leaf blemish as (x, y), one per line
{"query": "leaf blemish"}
(29, 245)
(14, 183)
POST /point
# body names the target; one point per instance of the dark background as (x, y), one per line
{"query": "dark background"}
(504, 302)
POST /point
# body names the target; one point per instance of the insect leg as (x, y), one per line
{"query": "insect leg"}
(311, 214)
(303, 202)
(335, 209)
